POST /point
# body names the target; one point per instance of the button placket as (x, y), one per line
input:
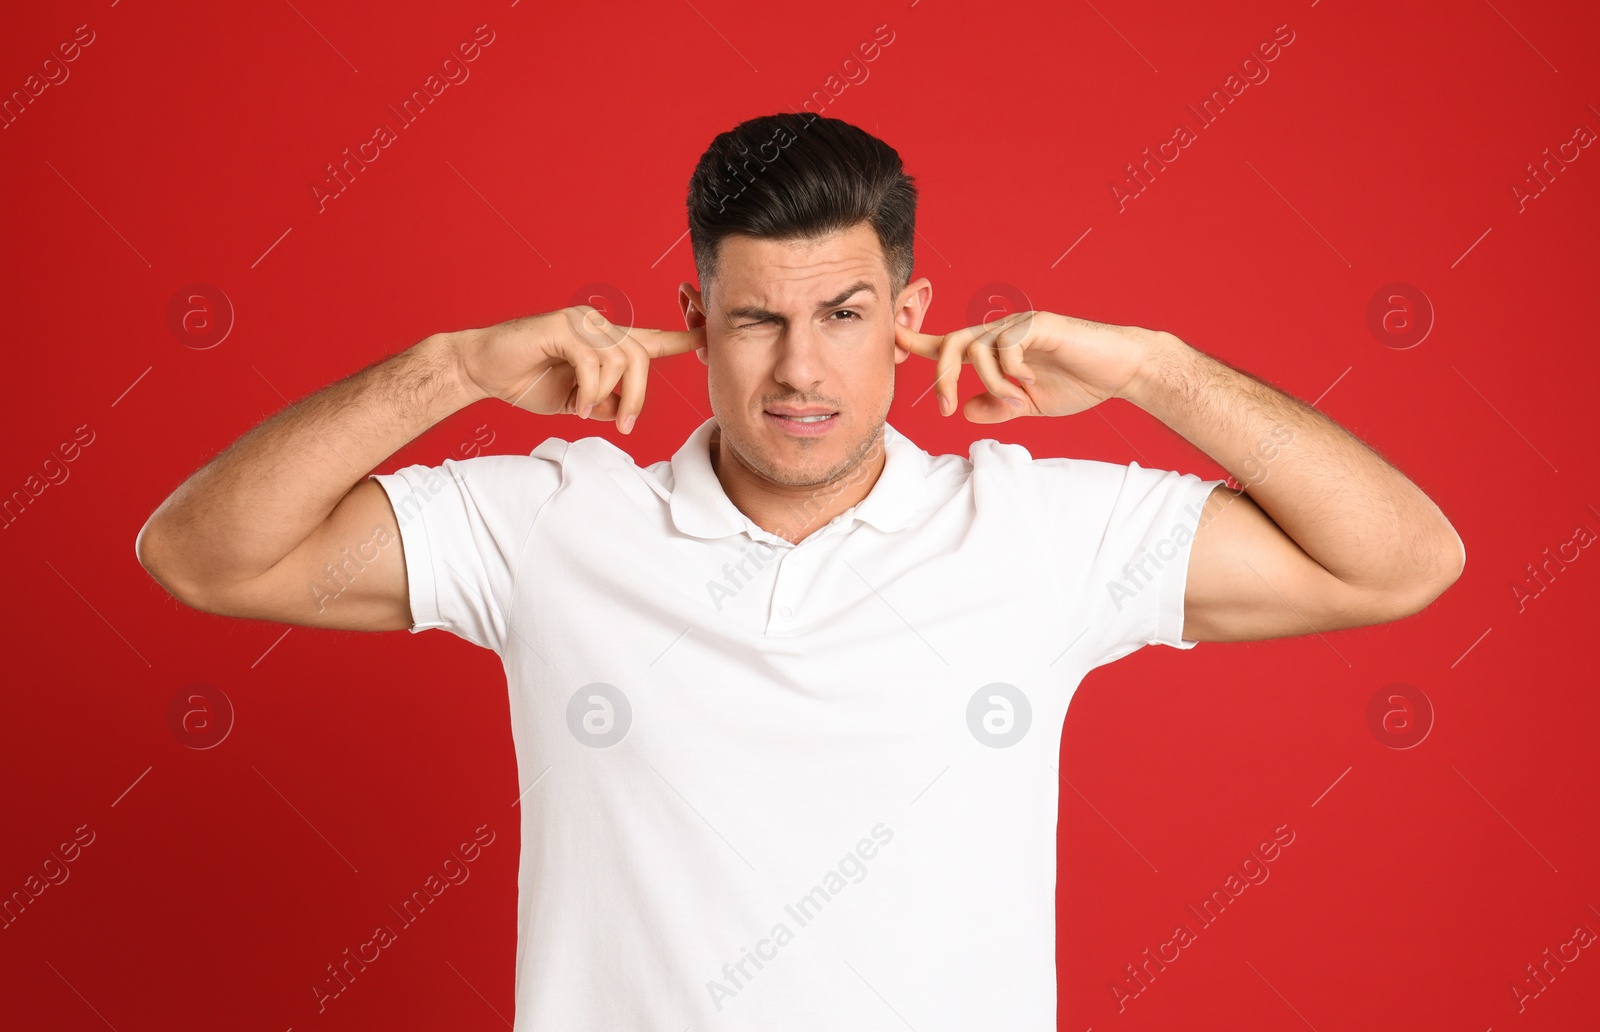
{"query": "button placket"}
(788, 584)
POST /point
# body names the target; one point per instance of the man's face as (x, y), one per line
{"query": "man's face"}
(798, 325)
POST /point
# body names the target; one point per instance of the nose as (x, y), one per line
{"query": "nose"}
(801, 359)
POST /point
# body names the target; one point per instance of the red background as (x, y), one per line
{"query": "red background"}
(1382, 149)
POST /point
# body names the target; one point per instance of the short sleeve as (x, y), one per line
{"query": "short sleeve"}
(1127, 534)
(463, 526)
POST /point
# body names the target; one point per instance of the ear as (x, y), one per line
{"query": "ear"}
(692, 303)
(910, 309)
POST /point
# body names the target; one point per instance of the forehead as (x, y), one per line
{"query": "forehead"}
(797, 273)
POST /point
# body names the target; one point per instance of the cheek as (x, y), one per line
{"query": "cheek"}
(748, 370)
(733, 381)
(868, 389)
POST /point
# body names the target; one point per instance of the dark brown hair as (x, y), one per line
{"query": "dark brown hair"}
(792, 176)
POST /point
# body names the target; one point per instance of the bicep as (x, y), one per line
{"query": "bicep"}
(1248, 580)
(348, 574)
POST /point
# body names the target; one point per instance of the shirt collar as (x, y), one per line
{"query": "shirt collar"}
(701, 507)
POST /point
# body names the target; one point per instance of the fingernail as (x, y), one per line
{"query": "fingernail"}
(1015, 402)
(944, 404)
(627, 423)
(585, 413)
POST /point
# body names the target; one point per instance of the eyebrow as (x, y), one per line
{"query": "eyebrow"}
(756, 312)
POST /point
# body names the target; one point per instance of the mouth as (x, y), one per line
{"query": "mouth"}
(803, 423)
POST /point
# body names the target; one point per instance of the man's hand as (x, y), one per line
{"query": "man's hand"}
(1064, 365)
(568, 361)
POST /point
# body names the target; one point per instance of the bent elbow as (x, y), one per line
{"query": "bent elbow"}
(1427, 588)
(1426, 594)
(154, 554)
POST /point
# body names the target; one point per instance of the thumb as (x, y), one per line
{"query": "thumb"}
(986, 408)
(606, 408)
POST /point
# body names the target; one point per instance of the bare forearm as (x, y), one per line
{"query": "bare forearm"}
(1339, 500)
(241, 513)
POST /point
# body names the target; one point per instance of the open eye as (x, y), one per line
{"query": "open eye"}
(845, 311)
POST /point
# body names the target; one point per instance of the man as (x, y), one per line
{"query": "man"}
(787, 707)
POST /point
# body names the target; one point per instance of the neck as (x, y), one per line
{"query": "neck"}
(794, 513)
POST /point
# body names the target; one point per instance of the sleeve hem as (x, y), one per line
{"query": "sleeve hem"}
(416, 549)
(1175, 576)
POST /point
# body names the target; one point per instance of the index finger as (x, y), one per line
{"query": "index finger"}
(663, 343)
(924, 344)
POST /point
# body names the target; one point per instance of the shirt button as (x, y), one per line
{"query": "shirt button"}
(786, 611)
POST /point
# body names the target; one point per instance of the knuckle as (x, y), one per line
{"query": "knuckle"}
(592, 327)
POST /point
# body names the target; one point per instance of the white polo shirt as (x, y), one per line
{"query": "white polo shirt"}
(787, 786)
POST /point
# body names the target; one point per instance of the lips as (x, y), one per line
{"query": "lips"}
(795, 426)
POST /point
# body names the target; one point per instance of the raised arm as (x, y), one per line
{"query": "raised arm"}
(1326, 535)
(250, 533)
(261, 530)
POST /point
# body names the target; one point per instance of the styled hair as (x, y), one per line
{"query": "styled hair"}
(795, 176)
